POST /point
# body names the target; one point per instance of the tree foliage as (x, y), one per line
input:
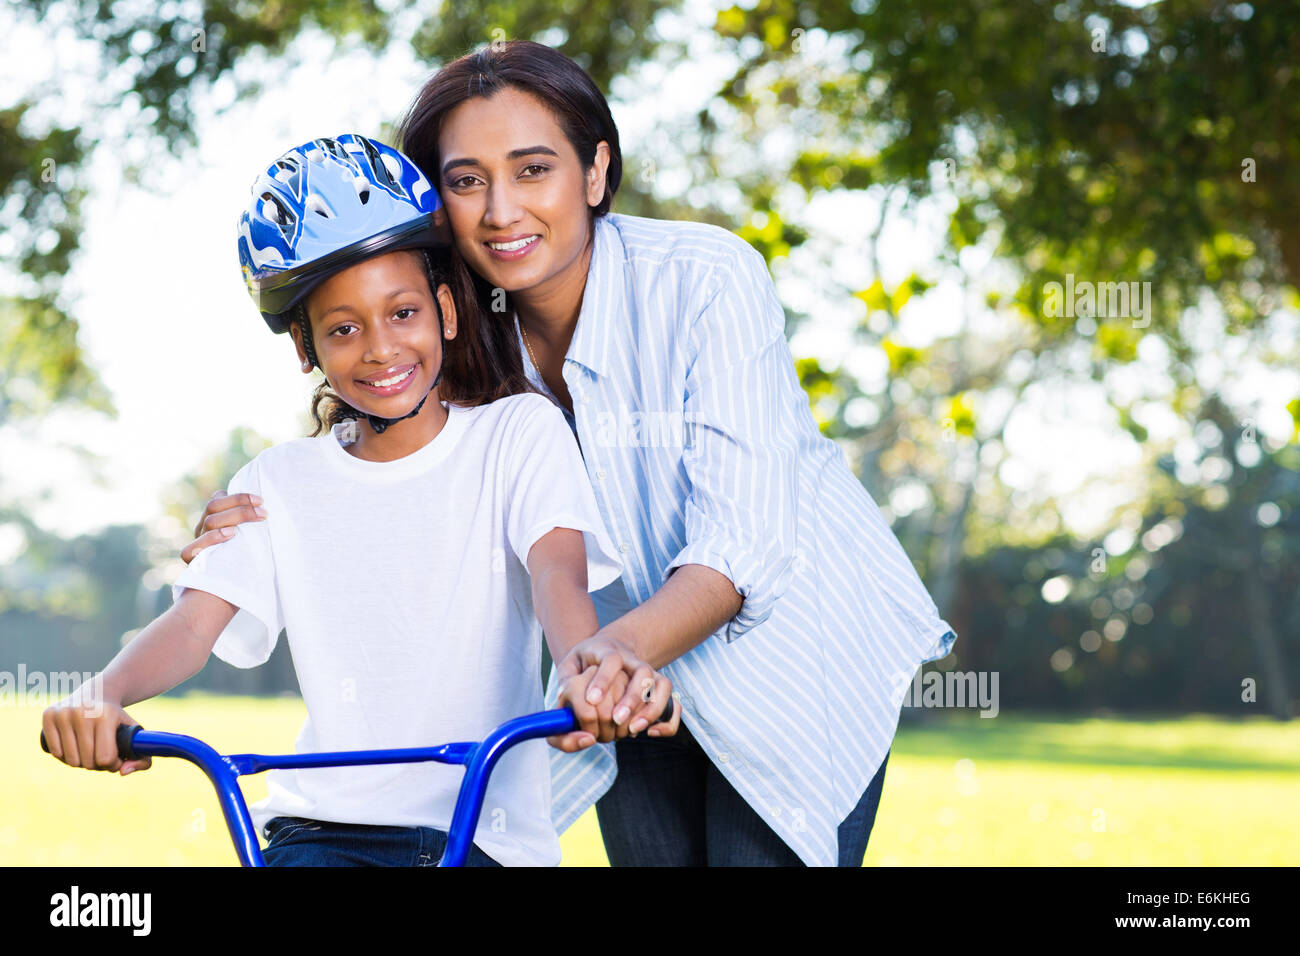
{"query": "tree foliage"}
(1084, 139)
(155, 59)
(1100, 139)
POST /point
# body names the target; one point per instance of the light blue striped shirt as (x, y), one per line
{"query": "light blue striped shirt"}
(702, 449)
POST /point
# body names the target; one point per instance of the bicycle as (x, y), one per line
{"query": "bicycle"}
(479, 758)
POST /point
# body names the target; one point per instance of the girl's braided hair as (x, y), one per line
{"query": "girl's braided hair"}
(480, 365)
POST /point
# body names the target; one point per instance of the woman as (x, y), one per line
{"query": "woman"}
(759, 575)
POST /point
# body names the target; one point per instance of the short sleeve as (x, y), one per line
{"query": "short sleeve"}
(742, 402)
(549, 488)
(241, 571)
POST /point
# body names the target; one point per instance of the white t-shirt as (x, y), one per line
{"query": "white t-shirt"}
(403, 588)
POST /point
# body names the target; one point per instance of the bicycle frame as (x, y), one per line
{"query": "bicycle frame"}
(478, 759)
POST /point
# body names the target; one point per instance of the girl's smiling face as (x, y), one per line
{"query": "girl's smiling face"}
(374, 326)
(515, 192)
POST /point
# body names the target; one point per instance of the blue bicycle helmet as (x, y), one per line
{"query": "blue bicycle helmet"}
(324, 206)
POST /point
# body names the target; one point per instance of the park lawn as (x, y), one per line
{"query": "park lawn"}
(1047, 790)
(959, 790)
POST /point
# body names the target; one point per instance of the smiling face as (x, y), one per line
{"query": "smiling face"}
(374, 326)
(516, 195)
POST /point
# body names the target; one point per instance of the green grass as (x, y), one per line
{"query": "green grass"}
(1048, 790)
(960, 790)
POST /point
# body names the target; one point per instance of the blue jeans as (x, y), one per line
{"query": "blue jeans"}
(670, 806)
(296, 841)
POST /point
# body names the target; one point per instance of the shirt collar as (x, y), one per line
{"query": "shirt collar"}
(604, 301)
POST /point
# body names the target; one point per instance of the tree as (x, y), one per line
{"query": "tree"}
(1103, 143)
(1108, 144)
(1149, 143)
(155, 60)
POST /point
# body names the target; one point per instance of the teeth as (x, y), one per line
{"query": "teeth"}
(511, 246)
(384, 383)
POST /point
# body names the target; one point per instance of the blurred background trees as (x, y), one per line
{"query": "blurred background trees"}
(1028, 141)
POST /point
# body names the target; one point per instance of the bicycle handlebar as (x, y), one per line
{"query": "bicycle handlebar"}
(479, 759)
(126, 735)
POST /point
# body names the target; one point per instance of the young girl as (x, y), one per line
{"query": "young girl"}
(413, 543)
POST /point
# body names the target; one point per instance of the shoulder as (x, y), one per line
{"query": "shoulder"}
(522, 405)
(292, 455)
(664, 241)
(292, 452)
(516, 429)
(285, 459)
(507, 416)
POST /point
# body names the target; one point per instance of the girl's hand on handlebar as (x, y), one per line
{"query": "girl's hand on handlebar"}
(82, 732)
(220, 516)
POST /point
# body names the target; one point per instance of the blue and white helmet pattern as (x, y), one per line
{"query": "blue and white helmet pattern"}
(324, 206)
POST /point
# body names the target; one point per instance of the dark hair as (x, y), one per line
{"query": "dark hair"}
(548, 74)
(476, 369)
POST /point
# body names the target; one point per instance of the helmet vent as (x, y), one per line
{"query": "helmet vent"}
(272, 209)
(317, 205)
(363, 189)
(278, 213)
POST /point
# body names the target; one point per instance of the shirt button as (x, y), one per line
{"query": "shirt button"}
(724, 758)
(600, 474)
(776, 811)
(622, 546)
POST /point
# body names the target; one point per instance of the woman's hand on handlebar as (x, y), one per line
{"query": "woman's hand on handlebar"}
(615, 694)
(573, 694)
(81, 730)
(219, 519)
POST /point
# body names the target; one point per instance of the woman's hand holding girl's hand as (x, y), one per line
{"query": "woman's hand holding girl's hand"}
(81, 730)
(219, 519)
(613, 692)
(592, 720)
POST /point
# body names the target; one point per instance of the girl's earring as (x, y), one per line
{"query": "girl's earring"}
(306, 366)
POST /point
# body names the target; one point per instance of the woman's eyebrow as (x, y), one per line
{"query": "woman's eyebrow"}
(513, 154)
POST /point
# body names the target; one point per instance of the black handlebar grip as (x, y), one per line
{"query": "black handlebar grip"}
(125, 737)
(125, 734)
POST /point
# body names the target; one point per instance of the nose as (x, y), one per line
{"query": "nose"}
(382, 344)
(502, 207)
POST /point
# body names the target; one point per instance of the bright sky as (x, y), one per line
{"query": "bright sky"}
(166, 322)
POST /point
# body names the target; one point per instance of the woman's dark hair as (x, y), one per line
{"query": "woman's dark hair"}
(477, 367)
(548, 74)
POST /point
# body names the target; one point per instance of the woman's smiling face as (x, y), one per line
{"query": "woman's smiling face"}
(515, 191)
(375, 330)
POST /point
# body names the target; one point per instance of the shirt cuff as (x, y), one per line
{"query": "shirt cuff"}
(751, 613)
(603, 564)
(251, 636)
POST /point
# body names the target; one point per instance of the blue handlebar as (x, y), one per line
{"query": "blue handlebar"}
(479, 759)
